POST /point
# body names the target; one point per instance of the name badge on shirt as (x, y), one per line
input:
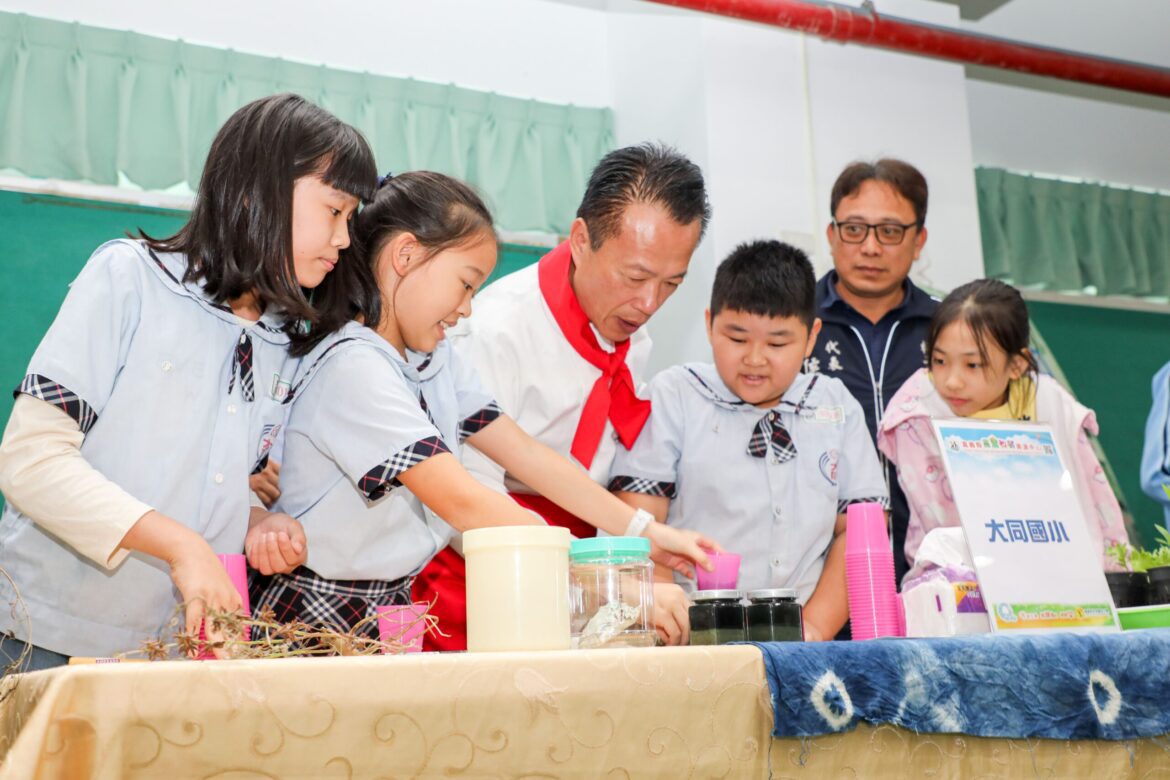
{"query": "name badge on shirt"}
(834, 415)
(280, 388)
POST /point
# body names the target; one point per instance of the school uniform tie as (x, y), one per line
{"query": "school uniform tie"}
(770, 432)
(422, 401)
(612, 397)
(242, 367)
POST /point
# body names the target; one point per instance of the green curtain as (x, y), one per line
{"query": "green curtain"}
(1058, 235)
(85, 103)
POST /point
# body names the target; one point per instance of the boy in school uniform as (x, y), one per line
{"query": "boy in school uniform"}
(752, 451)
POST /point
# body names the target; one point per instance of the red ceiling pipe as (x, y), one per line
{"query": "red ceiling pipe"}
(846, 24)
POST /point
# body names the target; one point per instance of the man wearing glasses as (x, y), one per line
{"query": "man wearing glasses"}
(874, 319)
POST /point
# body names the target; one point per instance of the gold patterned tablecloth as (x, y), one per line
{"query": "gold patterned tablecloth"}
(669, 713)
(604, 713)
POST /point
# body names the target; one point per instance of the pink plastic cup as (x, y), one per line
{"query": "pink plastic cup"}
(865, 528)
(236, 566)
(725, 576)
(403, 624)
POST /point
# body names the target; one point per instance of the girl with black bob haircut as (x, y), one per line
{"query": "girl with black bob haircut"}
(159, 388)
(239, 239)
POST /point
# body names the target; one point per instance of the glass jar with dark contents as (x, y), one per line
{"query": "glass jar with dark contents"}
(717, 617)
(774, 616)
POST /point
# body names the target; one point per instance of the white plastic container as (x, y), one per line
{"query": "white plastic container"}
(517, 588)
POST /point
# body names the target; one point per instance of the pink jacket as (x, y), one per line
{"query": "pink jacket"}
(907, 439)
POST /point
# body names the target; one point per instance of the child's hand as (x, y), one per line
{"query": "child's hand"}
(204, 585)
(676, 549)
(266, 484)
(671, 615)
(813, 633)
(276, 544)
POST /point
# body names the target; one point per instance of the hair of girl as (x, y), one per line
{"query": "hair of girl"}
(992, 310)
(439, 211)
(239, 235)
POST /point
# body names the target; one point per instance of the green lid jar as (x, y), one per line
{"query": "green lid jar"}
(611, 592)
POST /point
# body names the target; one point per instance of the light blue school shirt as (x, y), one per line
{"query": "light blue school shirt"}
(778, 516)
(355, 425)
(143, 363)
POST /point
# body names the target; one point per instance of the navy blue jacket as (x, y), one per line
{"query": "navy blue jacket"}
(841, 352)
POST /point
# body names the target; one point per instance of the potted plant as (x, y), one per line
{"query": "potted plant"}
(1158, 568)
(1146, 579)
(1130, 587)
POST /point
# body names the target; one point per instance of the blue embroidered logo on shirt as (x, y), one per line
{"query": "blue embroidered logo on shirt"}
(828, 466)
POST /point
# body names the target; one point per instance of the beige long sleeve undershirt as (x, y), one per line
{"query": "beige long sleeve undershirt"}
(45, 476)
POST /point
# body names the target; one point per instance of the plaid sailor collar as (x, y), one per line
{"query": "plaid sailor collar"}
(421, 366)
(350, 335)
(170, 268)
(769, 435)
(706, 380)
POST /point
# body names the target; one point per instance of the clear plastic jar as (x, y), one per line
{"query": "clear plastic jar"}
(611, 592)
(774, 615)
(717, 617)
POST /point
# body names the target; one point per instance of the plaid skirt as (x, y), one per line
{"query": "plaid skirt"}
(336, 604)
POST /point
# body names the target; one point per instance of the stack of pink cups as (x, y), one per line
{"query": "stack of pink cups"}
(874, 606)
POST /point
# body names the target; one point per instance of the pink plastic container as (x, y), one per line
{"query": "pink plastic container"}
(236, 566)
(874, 606)
(725, 576)
(403, 624)
(237, 571)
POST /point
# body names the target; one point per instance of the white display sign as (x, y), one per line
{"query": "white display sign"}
(1038, 567)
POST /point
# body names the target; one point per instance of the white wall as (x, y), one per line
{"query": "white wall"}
(1036, 128)
(766, 113)
(1029, 130)
(657, 76)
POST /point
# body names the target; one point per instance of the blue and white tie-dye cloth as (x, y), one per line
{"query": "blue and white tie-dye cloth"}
(1060, 686)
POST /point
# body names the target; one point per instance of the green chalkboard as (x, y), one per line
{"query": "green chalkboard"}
(1109, 357)
(44, 242)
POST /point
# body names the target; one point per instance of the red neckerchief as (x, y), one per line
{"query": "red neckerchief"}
(612, 396)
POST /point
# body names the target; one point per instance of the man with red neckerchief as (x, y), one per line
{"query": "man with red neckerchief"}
(561, 346)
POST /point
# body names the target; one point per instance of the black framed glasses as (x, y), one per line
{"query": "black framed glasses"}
(888, 233)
